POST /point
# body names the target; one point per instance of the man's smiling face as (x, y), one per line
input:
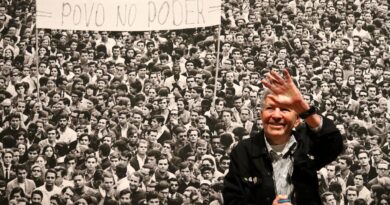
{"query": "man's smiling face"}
(278, 121)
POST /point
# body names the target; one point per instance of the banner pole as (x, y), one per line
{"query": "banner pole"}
(37, 56)
(217, 66)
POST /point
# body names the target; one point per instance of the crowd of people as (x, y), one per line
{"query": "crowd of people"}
(97, 117)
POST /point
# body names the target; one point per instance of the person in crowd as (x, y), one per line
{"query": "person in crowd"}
(7, 171)
(21, 181)
(49, 188)
(80, 189)
(369, 172)
(282, 109)
(363, 192)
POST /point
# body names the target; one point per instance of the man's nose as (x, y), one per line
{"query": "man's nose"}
(277, 113)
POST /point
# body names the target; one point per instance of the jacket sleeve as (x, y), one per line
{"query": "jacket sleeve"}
(234, 191)
(327, 143)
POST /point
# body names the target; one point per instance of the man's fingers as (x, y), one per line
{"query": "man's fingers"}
(266, 84)
(274, 87)
(274, 81)
(270, 85)
(270, 78)
(277, 77)
(287, 75)
(273, 98)
(281, 200)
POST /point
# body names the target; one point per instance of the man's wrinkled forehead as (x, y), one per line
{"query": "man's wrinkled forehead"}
(269, 101)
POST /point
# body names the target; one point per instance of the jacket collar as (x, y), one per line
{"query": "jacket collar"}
(258, 146)
(258, 149)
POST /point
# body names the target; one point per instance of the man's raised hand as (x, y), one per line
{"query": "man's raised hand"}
(285, 92)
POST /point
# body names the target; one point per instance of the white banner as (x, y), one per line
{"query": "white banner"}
(127, 15)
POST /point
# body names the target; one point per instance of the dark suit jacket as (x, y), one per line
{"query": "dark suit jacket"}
(105, 163)
(184, 151)
(137, 196)
(182, 185)
(350, 178)
(134, 163)
(369, 176)
(12, 174)
(250, 158)
(118, 131)
(249, 126)
(164, 137)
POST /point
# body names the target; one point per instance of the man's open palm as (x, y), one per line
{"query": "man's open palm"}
(284, 90)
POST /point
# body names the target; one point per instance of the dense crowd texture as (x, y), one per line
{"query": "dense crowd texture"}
(128, 117)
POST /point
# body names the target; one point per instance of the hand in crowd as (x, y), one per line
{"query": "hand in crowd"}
(281, 200)
(285, 91)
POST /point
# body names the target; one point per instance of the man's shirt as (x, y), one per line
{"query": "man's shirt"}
(282, 164)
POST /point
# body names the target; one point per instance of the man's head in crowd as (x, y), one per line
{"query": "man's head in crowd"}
(364, 159)
(157, 121)
(381, 118)
(226, 47)
(108, 182)
(193, 135)
(132, 136)
(91, 163)
(135, 181)
(63, 121)
(78, 180)
(325, 88)
(36, 197)
(125, 197)
(152, 198)
(344, 163)
(224, 163)
(181, 134)
(52, 134)
(202, 123)
(358, 180)
(50, 177)
(383, 169)
(201, 147)
(328, 198)
(331, 171)
(15, 120)
(194, 116)
(137, 117)
(185, 171)
(102, 123)
(346, 116)
(33, 152)
(352, 194)
(162, 164)
(208, 92)
(21, 173)
(142, 147)
(7, 157)
(227, 116)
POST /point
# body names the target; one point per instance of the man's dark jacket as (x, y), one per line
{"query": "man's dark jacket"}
(250, 176)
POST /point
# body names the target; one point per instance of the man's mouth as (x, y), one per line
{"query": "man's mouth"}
(276, 125)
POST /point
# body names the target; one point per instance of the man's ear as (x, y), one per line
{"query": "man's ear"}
(297, 122)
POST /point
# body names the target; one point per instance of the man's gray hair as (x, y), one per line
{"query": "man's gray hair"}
(264, 96)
